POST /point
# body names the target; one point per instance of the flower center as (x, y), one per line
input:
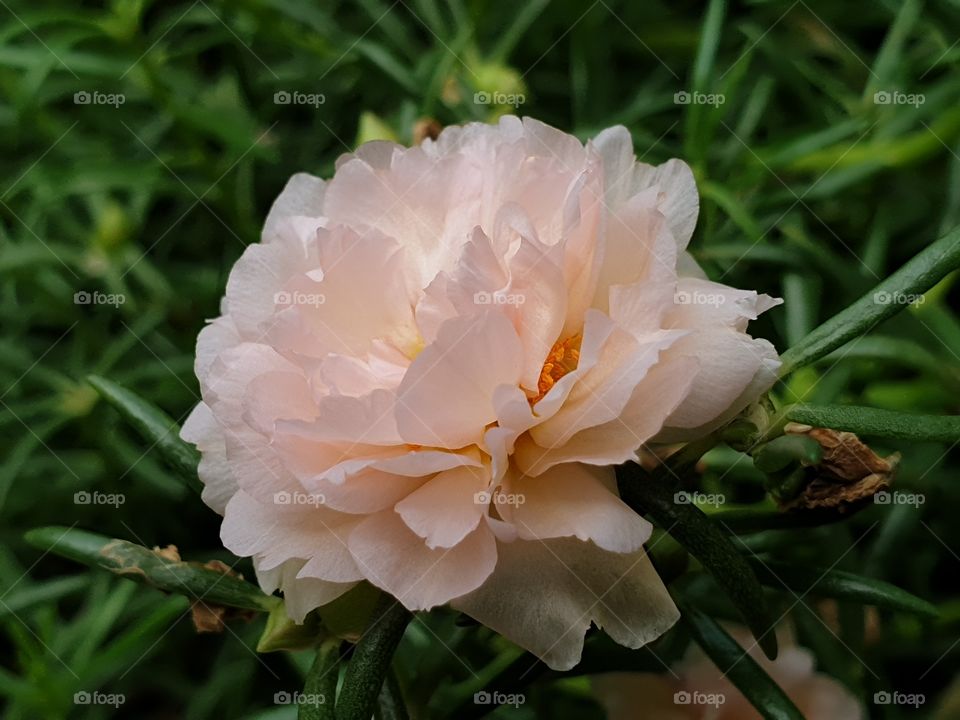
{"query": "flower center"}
(563, 357)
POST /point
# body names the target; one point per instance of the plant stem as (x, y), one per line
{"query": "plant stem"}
(320, 689)
(371, 660)
(917, 276)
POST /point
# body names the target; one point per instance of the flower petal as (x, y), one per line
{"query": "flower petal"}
(543, 596)
(735, 369)
(288, 529)
(573, 500)
(301, 196)
(300, 595)
(445, 509)
(445, 399)
(662, 389)
(396, 559)
(203, 430)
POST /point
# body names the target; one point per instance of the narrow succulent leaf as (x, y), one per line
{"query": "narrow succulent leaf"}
(839, 584)
(888, 298)
(154, 426)
(739, 667)
(874, 422)
(152, 567)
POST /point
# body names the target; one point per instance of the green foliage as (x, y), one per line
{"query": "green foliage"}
(875, 422)
(195, 580)
(154, 426)
(119, 223)
(839, 585)
(742, 670)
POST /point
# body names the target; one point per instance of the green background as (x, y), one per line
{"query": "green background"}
(812, 190)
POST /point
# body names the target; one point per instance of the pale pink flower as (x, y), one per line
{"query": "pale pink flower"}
(424, 372)
(697, 690)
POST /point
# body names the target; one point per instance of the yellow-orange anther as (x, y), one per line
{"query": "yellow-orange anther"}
(563, 357)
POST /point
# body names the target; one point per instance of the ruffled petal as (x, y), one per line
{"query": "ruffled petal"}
(300, 595)
(293, 526)
(202, 429)
(573, 500)
(653, 400)
(445, 399)
(302, 196)
(543, 596)
(447, 508)
(396, 559)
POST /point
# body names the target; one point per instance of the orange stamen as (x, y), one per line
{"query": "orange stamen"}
(562, 358)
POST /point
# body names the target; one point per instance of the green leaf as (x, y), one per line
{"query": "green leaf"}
(839, 584)
(742, 670)
(46, 592)
(706, 541)
(765, 515)
(364, 676)
(921, 273)
(890, 60)
(878, 423)
(898, 352)
(150, 567)
(154, 426)
(392, 705)
(520, 22)
(320, 689)
(710, 35)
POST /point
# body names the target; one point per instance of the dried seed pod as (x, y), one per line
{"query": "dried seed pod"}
(849, 472)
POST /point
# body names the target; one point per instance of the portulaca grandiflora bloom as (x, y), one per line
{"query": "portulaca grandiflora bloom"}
(424, 373)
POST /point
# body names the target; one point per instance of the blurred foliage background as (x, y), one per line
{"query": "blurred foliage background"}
(814, 185)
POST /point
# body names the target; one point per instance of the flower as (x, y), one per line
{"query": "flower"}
(696, 689)
(423, 374)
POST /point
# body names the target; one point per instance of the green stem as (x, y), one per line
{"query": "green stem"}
(371, 660)
(684, 459)
(747, 519)
(392, 705)
(920, 274)
(320, 689)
